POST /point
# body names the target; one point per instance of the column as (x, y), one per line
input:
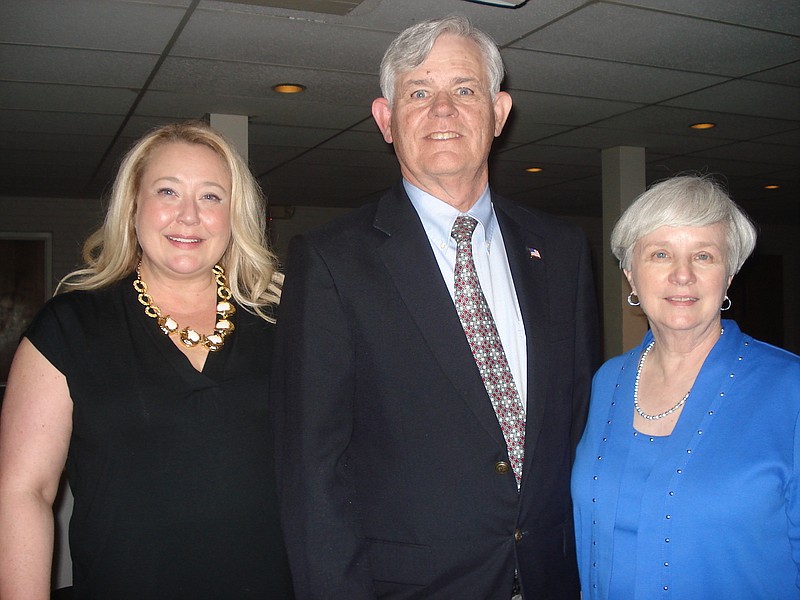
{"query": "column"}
(623, 180)
(233, 127)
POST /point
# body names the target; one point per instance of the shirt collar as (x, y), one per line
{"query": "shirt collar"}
(438, 217)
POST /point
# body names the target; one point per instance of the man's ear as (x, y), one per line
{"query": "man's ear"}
(382, 113)
(502, 108)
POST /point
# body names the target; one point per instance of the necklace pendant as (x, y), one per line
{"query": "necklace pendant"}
(214, 342)
(224, 326)
(189, 337)
(225, 309)
(167, 324)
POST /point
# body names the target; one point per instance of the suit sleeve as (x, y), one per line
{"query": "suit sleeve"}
(587, 342)
(313, 389)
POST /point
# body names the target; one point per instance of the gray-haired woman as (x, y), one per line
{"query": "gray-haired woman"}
(685, 483)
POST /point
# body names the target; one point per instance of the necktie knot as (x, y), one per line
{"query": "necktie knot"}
(463, 228)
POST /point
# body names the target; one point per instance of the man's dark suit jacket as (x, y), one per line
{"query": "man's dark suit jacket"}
(390, 456)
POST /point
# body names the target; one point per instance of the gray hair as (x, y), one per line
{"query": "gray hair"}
(410, 49)
(685, 201)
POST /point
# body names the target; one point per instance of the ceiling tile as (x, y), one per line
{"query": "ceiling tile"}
(90, 24)
(575, 76)
(646, 37)
(66, 98)
(34, 64)
(745, 98)
(670, 119)
(771, 15)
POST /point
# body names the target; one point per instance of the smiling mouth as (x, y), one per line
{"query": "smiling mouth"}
(682, 299)
(444, 135)
(183, 240)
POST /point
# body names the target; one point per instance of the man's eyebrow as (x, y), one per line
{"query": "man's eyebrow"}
(415, 82)
(454, 81)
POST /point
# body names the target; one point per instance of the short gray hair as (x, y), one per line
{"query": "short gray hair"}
(410, 49)
(685, 201)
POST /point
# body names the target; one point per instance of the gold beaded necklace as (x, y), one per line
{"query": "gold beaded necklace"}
(188, 336)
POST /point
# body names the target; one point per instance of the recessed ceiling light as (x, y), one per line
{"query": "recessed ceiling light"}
(289, 88)
(534, 170)
(772, 186)
(703, 126)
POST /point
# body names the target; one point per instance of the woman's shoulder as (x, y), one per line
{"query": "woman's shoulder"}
(775, 366)
(247, 319)
(766, 353)
(72, 300)
(614, 365)
(74, 308)
(769, 353)
(606, 380)
(769, 371)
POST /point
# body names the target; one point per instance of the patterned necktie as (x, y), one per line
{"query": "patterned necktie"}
(481, 331)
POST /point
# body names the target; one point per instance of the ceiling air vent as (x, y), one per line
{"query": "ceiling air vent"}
(330, 7)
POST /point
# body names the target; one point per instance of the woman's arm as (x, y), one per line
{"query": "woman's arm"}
(35, 429)
(793, 501)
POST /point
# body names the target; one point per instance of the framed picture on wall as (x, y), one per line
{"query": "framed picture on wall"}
(25, 284)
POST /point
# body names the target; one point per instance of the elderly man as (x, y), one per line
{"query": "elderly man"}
(435, 355)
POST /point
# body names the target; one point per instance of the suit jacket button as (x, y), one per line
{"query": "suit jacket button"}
(502, 468)
(517, 535)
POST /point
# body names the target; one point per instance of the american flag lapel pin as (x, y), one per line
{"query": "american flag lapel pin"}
(534, 253)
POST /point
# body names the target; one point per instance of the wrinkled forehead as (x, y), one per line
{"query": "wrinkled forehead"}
(452, 60)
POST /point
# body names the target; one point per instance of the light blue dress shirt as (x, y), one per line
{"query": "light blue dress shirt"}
(491, 264)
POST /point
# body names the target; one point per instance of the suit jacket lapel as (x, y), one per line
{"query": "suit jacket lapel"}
(409, 259)
(530, 284)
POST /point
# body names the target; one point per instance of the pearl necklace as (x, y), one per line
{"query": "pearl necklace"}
(639, 410)
(188, 336)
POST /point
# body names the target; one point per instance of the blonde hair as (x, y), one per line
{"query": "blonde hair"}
(685, 201)
(112, 252)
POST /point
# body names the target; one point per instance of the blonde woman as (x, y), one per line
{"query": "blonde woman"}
(148, 376)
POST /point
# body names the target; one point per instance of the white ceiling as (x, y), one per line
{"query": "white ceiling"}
(81, 79)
